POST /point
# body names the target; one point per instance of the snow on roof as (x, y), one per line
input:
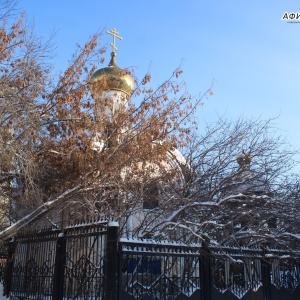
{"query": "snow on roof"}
(175, 153)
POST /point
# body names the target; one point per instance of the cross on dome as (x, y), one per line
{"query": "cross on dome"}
(115, 35)
(112, 78)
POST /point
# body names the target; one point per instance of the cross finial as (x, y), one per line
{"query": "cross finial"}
(115, 35)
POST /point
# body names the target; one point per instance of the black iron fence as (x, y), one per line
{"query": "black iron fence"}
(159, 270)
(167, 270)
(32, 265)
(255, 274)
(89, 261)
(51, 264)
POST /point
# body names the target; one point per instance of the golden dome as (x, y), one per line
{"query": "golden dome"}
(112, 78)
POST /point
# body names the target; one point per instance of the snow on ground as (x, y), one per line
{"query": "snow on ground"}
(1, 293)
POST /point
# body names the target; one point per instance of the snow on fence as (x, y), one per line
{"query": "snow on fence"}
(89, 261)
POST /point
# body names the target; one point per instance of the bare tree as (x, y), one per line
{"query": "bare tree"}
(240, 189)
(24, 78)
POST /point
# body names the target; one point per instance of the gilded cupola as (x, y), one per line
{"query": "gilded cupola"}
(112, 78)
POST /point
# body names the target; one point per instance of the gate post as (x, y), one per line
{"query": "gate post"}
(266, 278)
(205, 269)
(9, 269)
(111, 266)
(60, 261)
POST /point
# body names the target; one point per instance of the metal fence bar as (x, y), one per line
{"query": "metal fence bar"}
(60, 261)
(111, 266)
(205, 270)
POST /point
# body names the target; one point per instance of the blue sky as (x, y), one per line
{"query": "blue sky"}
(243, 46)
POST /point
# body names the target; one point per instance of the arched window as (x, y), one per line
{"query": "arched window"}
(150, 196)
